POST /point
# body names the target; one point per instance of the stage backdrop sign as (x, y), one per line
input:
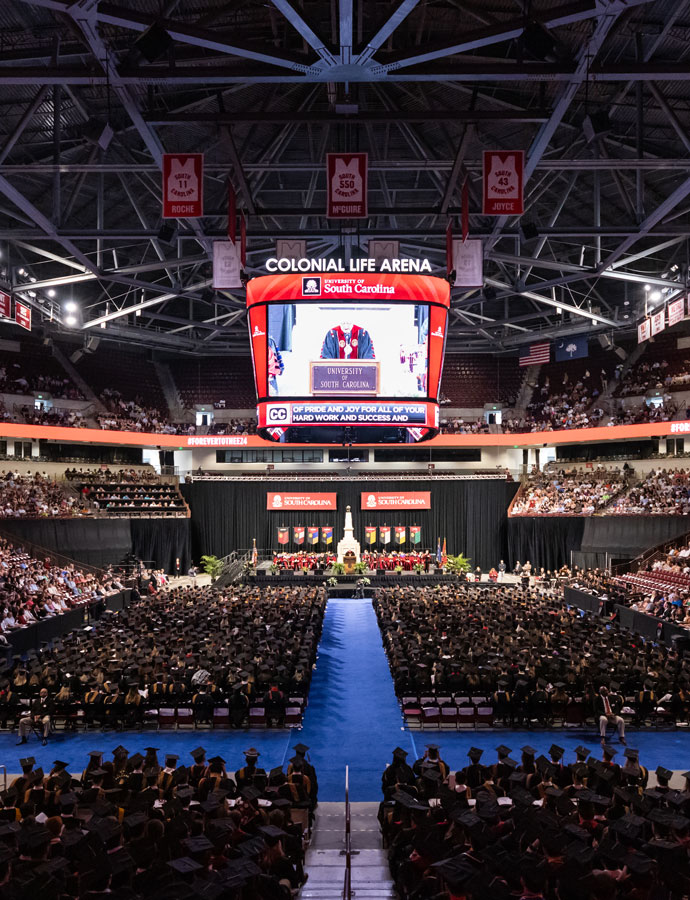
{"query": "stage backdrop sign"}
(347, 185)
(408, 500)
(183, 185)
(301, 501)
(503, 181)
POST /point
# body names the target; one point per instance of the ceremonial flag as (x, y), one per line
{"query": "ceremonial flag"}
(283, 535)
(313, 535)
(400, 534)
(255, 553)
(574, 347)
(444, 555)
(415, 534)
(385, 534)
(438, 551)
(536, 354)
(299, 534)
(370, 534)
(327, 534)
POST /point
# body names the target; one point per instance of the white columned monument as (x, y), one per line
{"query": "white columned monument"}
(348, 543)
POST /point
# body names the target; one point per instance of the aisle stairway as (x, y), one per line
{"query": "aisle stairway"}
(325, 862)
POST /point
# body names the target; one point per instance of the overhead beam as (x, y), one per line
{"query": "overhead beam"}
(550, 301)
(145, 304)
(309, 35)
(362, 116)
(386, 30)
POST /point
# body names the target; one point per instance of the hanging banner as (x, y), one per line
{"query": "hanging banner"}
(301, 501)
(503, 183)
(370, 534)
(644, 331)
(183, 185)
(468, 263)
(283, 535)
(5, 305)
(226, 266)
(676, 311)
(22, 315)
(385, 534)
(313, 535)
(400, 534)
(346, 175)
(298, 534)
(408, 500)
(415, 534)
(658, 321)
(327, 534)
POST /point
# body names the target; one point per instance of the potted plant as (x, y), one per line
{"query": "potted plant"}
(419, 568)
(332, 582)
(212, 566)
(273, 569)
(305, 570)
(338, 568)
(398, 569)
(249, 568)
(364, 582)
(360, 568)
(458, 565)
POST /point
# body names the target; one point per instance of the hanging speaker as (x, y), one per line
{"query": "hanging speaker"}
(620, 353)
(154, 42)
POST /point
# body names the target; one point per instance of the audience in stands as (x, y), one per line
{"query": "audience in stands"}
(131, 415)
(661, 492)
(34, 495)
(196, 648)
(105, 475)
(136, 826)
(632, 415)
(157, 498)
(65, 418)
(234, 426)
(16, 379)
(534, 827)
(579, 492)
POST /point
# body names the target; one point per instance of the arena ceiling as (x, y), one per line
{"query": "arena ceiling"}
(266, 88)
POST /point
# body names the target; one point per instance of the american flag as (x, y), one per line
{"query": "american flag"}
(536, 354)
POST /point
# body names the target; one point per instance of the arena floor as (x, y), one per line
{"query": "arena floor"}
(353, 718)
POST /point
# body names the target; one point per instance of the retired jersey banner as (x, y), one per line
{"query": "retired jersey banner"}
(346, 175)
(370, 534)
(22, 315)
(385, 534)
(327, 534)
(415, 534)
(301, 501)
(658, 321)
(503, 183)
(676, 311)
(400, 534)
(283, 535)
(183, 185)
(298, 534)
(407, 500)
(644, 331)
(313, 535)
(468, 263)
(6, 304)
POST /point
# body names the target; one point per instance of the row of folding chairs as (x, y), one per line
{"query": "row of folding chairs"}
(182, 718)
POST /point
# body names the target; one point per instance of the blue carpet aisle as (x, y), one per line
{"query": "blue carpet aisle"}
(353, 718)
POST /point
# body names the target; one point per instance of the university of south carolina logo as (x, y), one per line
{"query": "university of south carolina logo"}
(277, 501)
(258, 332)
(311, 287)
(438, 332)
(371, 501)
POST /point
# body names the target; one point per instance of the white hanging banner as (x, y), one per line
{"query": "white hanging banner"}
(468, 263)
(659, 321)
(676, 311)
(226, 266)
(644, 331)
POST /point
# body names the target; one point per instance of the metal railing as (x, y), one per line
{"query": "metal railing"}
(347, 882)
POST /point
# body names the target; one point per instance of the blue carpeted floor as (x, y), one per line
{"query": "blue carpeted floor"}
(353, 718)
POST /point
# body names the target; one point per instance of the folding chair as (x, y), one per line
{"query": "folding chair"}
(221, 717)
(167, 718)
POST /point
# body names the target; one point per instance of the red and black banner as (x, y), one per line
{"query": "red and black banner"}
(313, 535)
(283, 535)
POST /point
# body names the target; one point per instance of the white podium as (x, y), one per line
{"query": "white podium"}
(348, 543)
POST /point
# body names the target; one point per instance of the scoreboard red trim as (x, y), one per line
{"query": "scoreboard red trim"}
(423, 289)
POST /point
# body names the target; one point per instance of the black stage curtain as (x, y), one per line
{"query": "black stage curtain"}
(226, 515)
(544, 541)
(162, 540)
(95, 542)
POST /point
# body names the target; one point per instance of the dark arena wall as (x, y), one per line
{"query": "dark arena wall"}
(471, 515)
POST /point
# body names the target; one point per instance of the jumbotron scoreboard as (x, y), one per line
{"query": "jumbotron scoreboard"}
(348, 357)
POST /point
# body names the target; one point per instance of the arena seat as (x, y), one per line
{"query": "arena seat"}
(221, 717)
(431, 717)
(167, 718)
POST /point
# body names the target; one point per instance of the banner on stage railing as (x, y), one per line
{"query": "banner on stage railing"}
(415, 534)
(370, 534)
(400, 534)
(503, 183)
(283, 535)
(327, 534)
(313, 535)
(385, 534)
(183, 185)
(298, 534)
(346, 179)
(676, 311)
(301, 501)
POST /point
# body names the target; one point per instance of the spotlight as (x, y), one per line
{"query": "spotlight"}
(655, 296)
(647, 287)
(71, 306)
(51, 292)
(71, 320)
(21, 272)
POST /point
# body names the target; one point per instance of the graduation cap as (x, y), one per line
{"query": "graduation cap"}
(398, 753)
(432, 775)
(171, 760)
(555, 752)
(302, 749)
(276, 772)
(663, 774)
(96, 754)
(120, 751)
(152, 750)
(630, 753)
(198, 844)
(136, 760)
(582, 751)
(475, 754)
(272, 834)
(183, 865)
(217, 760)
(198, 754)
(27, 762)
(250, 793)
(135, 820)
(502, 750)
(528, 751)
(609, 750)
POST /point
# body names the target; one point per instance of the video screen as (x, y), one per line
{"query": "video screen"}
(358, 350)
